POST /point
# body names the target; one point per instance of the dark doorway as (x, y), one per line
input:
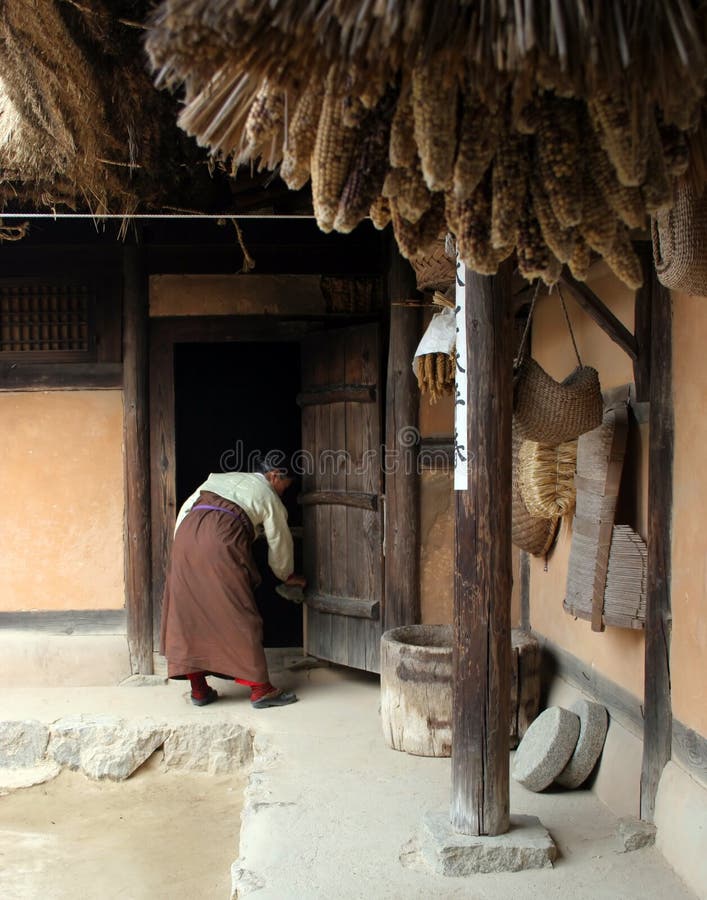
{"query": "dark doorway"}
(233, 401)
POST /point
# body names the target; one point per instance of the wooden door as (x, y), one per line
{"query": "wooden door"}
(341, 495)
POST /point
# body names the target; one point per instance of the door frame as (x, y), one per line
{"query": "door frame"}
(164, 334)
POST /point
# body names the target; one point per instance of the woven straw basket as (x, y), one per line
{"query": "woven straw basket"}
(533, 534)
(680, 243)
(434, 271)
(546, 478)
(553, 412)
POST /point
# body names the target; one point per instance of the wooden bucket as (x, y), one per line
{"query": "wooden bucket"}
(416, 688)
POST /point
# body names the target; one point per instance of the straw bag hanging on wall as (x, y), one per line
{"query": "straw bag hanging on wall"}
(546, 478)
(680, 242)
(533, 534)
(552, 412)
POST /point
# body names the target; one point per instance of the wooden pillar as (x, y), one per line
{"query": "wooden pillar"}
(137, 460)
(402, 481)
(657, 726)
(481, 660)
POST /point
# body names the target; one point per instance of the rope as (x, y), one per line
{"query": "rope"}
(569, 325)
(248, 261)
(519, 357)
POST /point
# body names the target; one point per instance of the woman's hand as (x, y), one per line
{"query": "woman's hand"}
(296, 581)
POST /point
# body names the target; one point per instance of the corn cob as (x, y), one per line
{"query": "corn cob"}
(403, 150)
(581, 258)
(478, 139)
(557, 144)
(265, 118)
(657, 190)
(435, 374)
(535, 259)
(416, 238)
(510, 168)
(676, 151)
(368, 166)
(380, 213)
(622, 132)
(626, 202)
(434, 104)
(560, 240)
(331, 158)
(470, 220)
(622, 260)
(407, 187)
(598, 225)
(525, 107)
(301, 136)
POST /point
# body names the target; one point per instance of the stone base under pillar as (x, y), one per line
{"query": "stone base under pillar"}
(527, 845)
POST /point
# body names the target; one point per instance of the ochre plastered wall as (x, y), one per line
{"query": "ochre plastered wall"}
(617, 653)
(688, 657)
(61, 481)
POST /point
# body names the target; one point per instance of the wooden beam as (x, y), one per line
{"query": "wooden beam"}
(524, 589)
(481, 659)
(340, 393)
(601, 314)
(66, 621)
(642, 326)
(60, 376)
(402, 485)
(137, 461)
(657, 735)
(358, 607)
(357, 499)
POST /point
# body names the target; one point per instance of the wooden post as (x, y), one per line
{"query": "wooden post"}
(481, 659)
(402, 482)
(657, 726)
(137, 461)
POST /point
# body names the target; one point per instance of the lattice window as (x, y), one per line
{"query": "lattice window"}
(47, 320)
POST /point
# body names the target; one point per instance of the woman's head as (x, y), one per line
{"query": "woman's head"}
(277, 475)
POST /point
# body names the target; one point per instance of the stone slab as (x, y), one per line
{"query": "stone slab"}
(527, 845)
(634, 834)
(23, 743)
(593, 725)
(212, 747)
(16, 779)
(546, 748)
(104, 746)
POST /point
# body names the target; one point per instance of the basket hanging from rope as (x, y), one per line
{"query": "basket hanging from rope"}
(549, 411)
(434, 269)
(680, 242)
(533, 534)
(546, 478)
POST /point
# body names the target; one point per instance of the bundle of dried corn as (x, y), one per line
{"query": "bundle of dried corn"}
(435, 374)
(498, 122)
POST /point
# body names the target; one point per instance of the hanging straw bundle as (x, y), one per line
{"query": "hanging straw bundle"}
(546, 478)
(534, 534)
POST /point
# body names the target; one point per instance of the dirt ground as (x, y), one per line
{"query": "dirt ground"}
(156, 835)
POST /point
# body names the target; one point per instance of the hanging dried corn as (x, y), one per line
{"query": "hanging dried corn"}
(510, 170)
(368, 166)
(622, 132)
(264, 124)
(560, 240)
(535, 259)
(557, 144)
(626, 202)
(599, 223)
(419, 237)
(435, 98)
(408, 189)
(380, 213)
(622, 259)
(470, 221)
(331, 158)
(581, 258)
(478, 139)
(301, 136)
(403, 149)
(657, 190)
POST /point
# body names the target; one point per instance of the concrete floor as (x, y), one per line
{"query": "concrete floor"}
(332, 812)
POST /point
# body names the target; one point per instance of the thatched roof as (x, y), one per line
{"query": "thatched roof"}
(547, 128)
(82, 125)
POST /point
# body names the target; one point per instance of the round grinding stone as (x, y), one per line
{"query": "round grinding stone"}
(546, 748)
(593, 723)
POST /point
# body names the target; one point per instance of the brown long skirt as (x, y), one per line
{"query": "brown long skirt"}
(210, 621)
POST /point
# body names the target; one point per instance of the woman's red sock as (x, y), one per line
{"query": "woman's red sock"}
(200, 689)
(258, 689)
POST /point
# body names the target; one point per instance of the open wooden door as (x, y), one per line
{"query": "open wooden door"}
(343, 533)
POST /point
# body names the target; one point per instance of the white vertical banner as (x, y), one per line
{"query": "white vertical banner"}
(461, 470)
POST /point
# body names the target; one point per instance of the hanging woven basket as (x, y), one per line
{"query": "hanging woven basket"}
(552, 412)
(533, 534)
(434, 270)
(546, 478)
(680, 242)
